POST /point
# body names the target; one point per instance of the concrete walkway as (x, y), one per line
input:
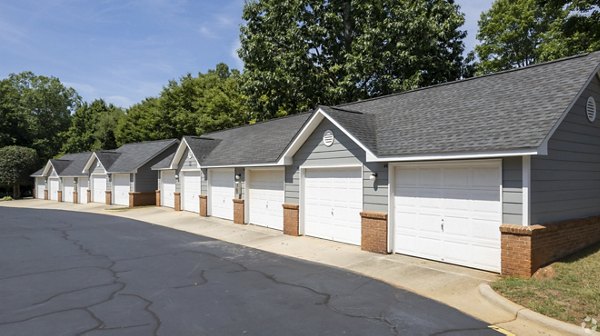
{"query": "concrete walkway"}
(452, 285)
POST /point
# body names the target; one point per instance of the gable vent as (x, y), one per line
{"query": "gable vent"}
(328, 138)
(590, 109)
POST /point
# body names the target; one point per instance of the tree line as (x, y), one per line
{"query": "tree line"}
(297, 54)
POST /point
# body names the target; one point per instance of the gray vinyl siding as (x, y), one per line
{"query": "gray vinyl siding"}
(565, 184)
(187, 164)
(512, 192)
(241, 186)
(97, 169)
(146, 179)
(344, 151)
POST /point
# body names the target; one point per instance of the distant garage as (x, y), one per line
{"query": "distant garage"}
(221, 192)
(449, 212)
(68, 189)
(53, 186)
(40, 187)
(121, 189)
(332, 203)
(82, 185)
(265, 196)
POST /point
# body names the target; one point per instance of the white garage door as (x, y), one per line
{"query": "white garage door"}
(99, 189)
(40, 186)
(53, 188)
(82, 184)
(221, 193)
(332, 204)
(68, 189)
(191, 183)
(121, 188)
(167, 188)
(449, 212)
(265, 196)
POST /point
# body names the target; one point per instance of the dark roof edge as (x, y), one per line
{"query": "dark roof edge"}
(466, 79)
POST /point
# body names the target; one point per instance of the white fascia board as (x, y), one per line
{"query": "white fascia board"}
(457, 156)
(47, 168)
(88, 164)
(272, 164)
(309, 128)
(179, 154)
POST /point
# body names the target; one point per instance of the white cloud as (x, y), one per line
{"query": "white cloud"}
(119, 101)
(239, 64)
(207, 32)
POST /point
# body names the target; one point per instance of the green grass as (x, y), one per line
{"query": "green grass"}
(572, 295)
(6, 198)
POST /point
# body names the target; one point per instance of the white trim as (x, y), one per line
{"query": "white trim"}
(526, 190)
(179, 154)
(457, 156)
(391, 194)
(568, 109)
(272, 164)
(307, 131)
(349, 165)
(444, 163)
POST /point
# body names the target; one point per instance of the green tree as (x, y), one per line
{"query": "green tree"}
(16, 164)
(35, 112)
(578, 31)
(92, 127)
(190, 106)
(301, 53)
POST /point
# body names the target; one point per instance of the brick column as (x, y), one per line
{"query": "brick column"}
(75, 197)
(374, 231)
(238, 211)
(89, 196)
(177, 201)
(157, 200)
(45, 194)
(291, 219)
(108, 197)
(203, 205)
(517, 247)
(60, 199)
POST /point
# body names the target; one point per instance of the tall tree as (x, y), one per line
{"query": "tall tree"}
(92, 127)
(578, 31)
(35, 112)
(16, 164)
(190, 106)
(301, 53)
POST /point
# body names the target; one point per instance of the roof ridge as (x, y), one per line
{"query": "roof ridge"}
(345, 110)
(258, 122)
(147, 141)
(470, 78)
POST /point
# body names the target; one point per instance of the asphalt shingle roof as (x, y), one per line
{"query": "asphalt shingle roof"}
(254, 144)
(164, 163)
(130, 157)
(77, 162)
(509, 110)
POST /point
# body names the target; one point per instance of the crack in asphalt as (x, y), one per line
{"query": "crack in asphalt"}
(147, 309)
(326, 296)
(203, 281)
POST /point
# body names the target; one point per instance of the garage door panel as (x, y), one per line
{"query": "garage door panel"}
(167, 181)
(121, 187)
(221, 193)
(68, 189)
(98, 189)
(265, 196)
(191, 182)
(332, 204)
(83, 185)
(53, 185)
(464, 198)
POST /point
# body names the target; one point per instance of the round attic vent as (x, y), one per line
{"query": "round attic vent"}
(189, 155)
(328, 138)
(590, 109)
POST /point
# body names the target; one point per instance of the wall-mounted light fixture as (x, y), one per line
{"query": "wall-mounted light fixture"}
(177, 177)
(238, 177)
(373, 177)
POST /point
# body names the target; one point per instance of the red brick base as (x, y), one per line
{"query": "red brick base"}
(157, 198)
(60, 199)
(46, 195)
(291, 219)
(89, 196)
(141, 198)
(177, 202)
(108, 197)
(374, 232)
(203, 205)
(75, 197)
(525, 249)
(238, 211)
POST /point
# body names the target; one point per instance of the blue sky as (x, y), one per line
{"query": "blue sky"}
(126, 50)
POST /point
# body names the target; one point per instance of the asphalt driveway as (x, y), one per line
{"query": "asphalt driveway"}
(69, 273)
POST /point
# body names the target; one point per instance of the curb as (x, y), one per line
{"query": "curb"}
(529, 315)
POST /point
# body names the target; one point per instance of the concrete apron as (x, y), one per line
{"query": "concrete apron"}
(452, 285)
